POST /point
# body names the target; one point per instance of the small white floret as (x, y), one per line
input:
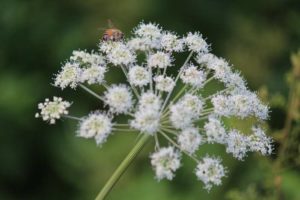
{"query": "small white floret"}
(165, 84)
(119, 99)
(165, 162)
(68, 76)
(210, 171)
(52, 110)
(97, 125)
(139, 76)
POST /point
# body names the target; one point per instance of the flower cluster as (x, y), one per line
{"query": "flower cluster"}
(164, 106)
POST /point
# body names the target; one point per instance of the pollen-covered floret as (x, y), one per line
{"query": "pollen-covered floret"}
(165, 162)
(149, 30)
(139, 76)
(170, 42)
(53, 110)
(150, 35)
(68, 76)
(185, 111)
(86, 59)
(93, 75)
(146, 121)
(240, 105)
(165, 84)
(196, 43)
(190, 139)
(117, 53)
(210, 171)
(97, 125)
(237, 144)
(160, 60)
(260, 142)
(180, 116)
(191, 75)
(139, 44)
(221, 68)
(149, 100)
(118, 98)
(214, 130)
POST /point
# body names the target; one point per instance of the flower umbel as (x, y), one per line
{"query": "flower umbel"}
(164, 105)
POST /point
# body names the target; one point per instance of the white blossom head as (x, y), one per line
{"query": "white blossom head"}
(190, 139)
(146, 121)
(260, 142)
(139, 76)
(160, 60)
(53, 110)
(214, 130)
(149, 100)
(165, 84)
(161, 103)
(193, 76)
(210, 171)
(118, 98)
(196, 43)
(68, 76)
(237, 144)
(149, 30)
(165, 162)
(97, 125)
(170, 42)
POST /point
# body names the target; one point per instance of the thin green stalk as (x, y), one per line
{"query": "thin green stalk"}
(91, 92)
(122, 167)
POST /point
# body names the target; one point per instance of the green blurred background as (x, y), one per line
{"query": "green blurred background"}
(39, 161)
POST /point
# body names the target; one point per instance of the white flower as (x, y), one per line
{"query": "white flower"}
(185, 111)
(97, 125)
(165, 84)
(139, 76)
(83, 58)
(196, 43)
(214, 130)
(146, 120)
(191, 75)
(93, 74)
(221, 105)
(119, 98)
(149, 30)
(139, 44)
(160, 60)
(165, 162)
(193, 103)
(237, 144)
(150, 35)
(240, 105)
(189, 140)
(68, 76)
(221, 68)
(180, 116)
(210, 171)
(171, 42)
(121, 56)
(148, 100)
(260, 142)
(53, 110)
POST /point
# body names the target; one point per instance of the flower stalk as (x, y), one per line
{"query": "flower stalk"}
(122, 167)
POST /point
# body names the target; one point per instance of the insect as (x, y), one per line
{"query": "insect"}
(112, 33)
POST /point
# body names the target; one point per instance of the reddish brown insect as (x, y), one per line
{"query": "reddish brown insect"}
(112, 33)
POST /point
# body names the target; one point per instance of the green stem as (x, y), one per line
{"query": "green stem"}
(122, 168)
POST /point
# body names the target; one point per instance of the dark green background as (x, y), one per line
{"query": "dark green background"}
(39, 161)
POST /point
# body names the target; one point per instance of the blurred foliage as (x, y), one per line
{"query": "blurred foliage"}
(39, 161)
